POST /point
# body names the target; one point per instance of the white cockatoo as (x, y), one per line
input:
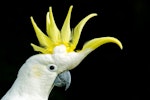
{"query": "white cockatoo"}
(41, 72)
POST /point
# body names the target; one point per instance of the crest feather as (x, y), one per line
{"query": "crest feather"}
(97, 42)
(52, 30)
(37, 48)
(65, 36)
(66, 31)
(43, 39)
(77, 30)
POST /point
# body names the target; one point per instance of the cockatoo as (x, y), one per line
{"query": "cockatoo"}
(41, 72)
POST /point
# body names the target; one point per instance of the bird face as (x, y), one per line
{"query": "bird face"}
(52, 67)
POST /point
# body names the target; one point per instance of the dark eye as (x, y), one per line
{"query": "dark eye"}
(52, 67)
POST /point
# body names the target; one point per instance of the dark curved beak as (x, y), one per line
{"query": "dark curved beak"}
(63, 79)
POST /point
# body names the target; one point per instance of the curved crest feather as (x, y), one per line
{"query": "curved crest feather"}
(66, 37)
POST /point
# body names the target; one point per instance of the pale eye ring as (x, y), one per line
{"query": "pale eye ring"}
(52, 67)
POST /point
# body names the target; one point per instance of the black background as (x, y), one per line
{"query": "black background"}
(108, 72)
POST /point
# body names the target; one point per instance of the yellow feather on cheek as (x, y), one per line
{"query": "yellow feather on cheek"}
(36, 72)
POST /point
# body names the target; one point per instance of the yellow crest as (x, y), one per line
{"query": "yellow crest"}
(65, 36)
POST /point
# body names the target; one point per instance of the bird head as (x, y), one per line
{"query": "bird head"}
(58, 47)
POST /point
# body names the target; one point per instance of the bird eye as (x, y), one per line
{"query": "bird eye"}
(52, 67)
